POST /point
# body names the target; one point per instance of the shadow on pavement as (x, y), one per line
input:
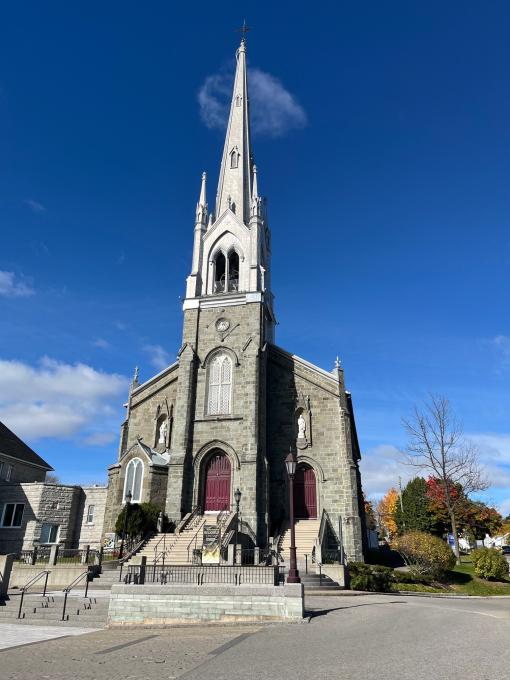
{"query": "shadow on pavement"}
(314, 613)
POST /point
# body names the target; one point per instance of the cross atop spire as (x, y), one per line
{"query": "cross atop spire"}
(244, 30)
(235, 178)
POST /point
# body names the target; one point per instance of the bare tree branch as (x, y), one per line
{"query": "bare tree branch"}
(436, 443)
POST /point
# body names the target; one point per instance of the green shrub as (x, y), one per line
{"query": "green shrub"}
(489, 564)
(411, 577)
(142, 519)
(425, 554)
(374, 578)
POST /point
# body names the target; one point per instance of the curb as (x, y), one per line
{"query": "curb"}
(407, 593)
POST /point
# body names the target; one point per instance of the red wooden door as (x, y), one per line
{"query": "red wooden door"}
(217, 483)
(305, 493)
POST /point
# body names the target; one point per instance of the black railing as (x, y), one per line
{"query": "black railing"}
(87, 575)
(37, 577)
(205, 574)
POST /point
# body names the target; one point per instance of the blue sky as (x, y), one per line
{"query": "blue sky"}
(382, 142)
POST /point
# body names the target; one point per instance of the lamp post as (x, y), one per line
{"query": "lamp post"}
(129, 496)
(237, 498)
(291, 464)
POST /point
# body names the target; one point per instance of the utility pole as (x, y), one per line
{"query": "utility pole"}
(401, 503)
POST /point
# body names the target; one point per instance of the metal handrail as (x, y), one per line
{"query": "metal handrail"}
(68, 589)
(194, 540)
(188, 519)
(46, 573)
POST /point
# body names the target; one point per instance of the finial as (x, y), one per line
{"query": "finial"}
(244, 30)
(135, 377)
(338, 363)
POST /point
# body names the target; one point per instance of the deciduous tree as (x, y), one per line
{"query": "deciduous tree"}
(386, 510)
(436, 444)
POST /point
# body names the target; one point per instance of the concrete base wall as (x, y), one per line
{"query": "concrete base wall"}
(152, 605)
(61, 575)
(336, 572)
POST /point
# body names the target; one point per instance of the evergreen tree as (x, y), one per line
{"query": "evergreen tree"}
(416, 515)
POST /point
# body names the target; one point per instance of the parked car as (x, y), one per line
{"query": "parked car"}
(505, 549)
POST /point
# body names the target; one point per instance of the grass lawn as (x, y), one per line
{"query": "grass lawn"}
(462, 580)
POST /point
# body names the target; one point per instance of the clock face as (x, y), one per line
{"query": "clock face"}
(222, 325)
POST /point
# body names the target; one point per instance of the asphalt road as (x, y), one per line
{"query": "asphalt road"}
(371, 636)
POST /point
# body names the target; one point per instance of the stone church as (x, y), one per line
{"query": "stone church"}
(223, 417)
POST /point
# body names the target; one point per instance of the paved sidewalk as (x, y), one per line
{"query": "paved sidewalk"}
(15, 634)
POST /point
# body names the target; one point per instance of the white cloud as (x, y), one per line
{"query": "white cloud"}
(35, 206)
(55, 399)
(100, 438)
(274, 110)
(101, 343)
(159, 357)
(501, 344)
(381, 467)
(12, 286)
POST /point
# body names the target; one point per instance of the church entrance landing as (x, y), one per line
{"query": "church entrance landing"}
(217, 483)
(305, 493)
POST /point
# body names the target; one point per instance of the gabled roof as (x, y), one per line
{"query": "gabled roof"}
(12, 446)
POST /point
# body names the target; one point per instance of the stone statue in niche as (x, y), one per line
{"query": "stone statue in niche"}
(163, 431)
(301, 427)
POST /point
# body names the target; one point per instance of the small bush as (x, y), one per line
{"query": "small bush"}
(489, 564)
(142, 519)
(425, 554)
(374, 578)
(411, 577)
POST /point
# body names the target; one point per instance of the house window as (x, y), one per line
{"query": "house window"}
(220, 385)
(12, 514)
(49, 533)
(134, 478)
(8, 473)
(90, 514)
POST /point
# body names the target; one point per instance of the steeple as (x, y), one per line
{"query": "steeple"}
(235, 180)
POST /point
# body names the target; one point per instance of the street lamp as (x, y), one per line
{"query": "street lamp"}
(237, 498)
(129, 496)
(291, 464)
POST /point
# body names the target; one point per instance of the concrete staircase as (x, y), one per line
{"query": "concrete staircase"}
(177, 548)
(39, 610)
(307, 531)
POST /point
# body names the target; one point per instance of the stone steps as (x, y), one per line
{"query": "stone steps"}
(40, 610)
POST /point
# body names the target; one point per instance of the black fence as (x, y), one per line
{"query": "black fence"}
(204, 574)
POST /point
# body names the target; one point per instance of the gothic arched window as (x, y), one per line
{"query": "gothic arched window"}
(133, 481)
(233, 271)
(234, 158)
(219, 398)
(220, 266)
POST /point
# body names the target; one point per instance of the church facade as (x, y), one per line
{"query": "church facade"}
(224, 416)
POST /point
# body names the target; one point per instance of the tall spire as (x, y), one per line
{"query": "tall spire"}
(201, 214)
(234, 185)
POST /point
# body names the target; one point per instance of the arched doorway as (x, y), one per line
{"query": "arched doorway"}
(305, 493)
(217, 482)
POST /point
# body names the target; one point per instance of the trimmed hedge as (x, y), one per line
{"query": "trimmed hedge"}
(371, 577)
(489, 564)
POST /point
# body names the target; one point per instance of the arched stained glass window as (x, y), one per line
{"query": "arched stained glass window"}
(133, 481)
(220, 385)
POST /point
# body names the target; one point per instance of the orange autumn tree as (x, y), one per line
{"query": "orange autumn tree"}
(386, 510)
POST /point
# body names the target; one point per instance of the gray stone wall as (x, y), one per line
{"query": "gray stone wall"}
(91, 533)
(60, 504)
(293, 385)
(22, 472)
(238, 434)
(153, 605)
